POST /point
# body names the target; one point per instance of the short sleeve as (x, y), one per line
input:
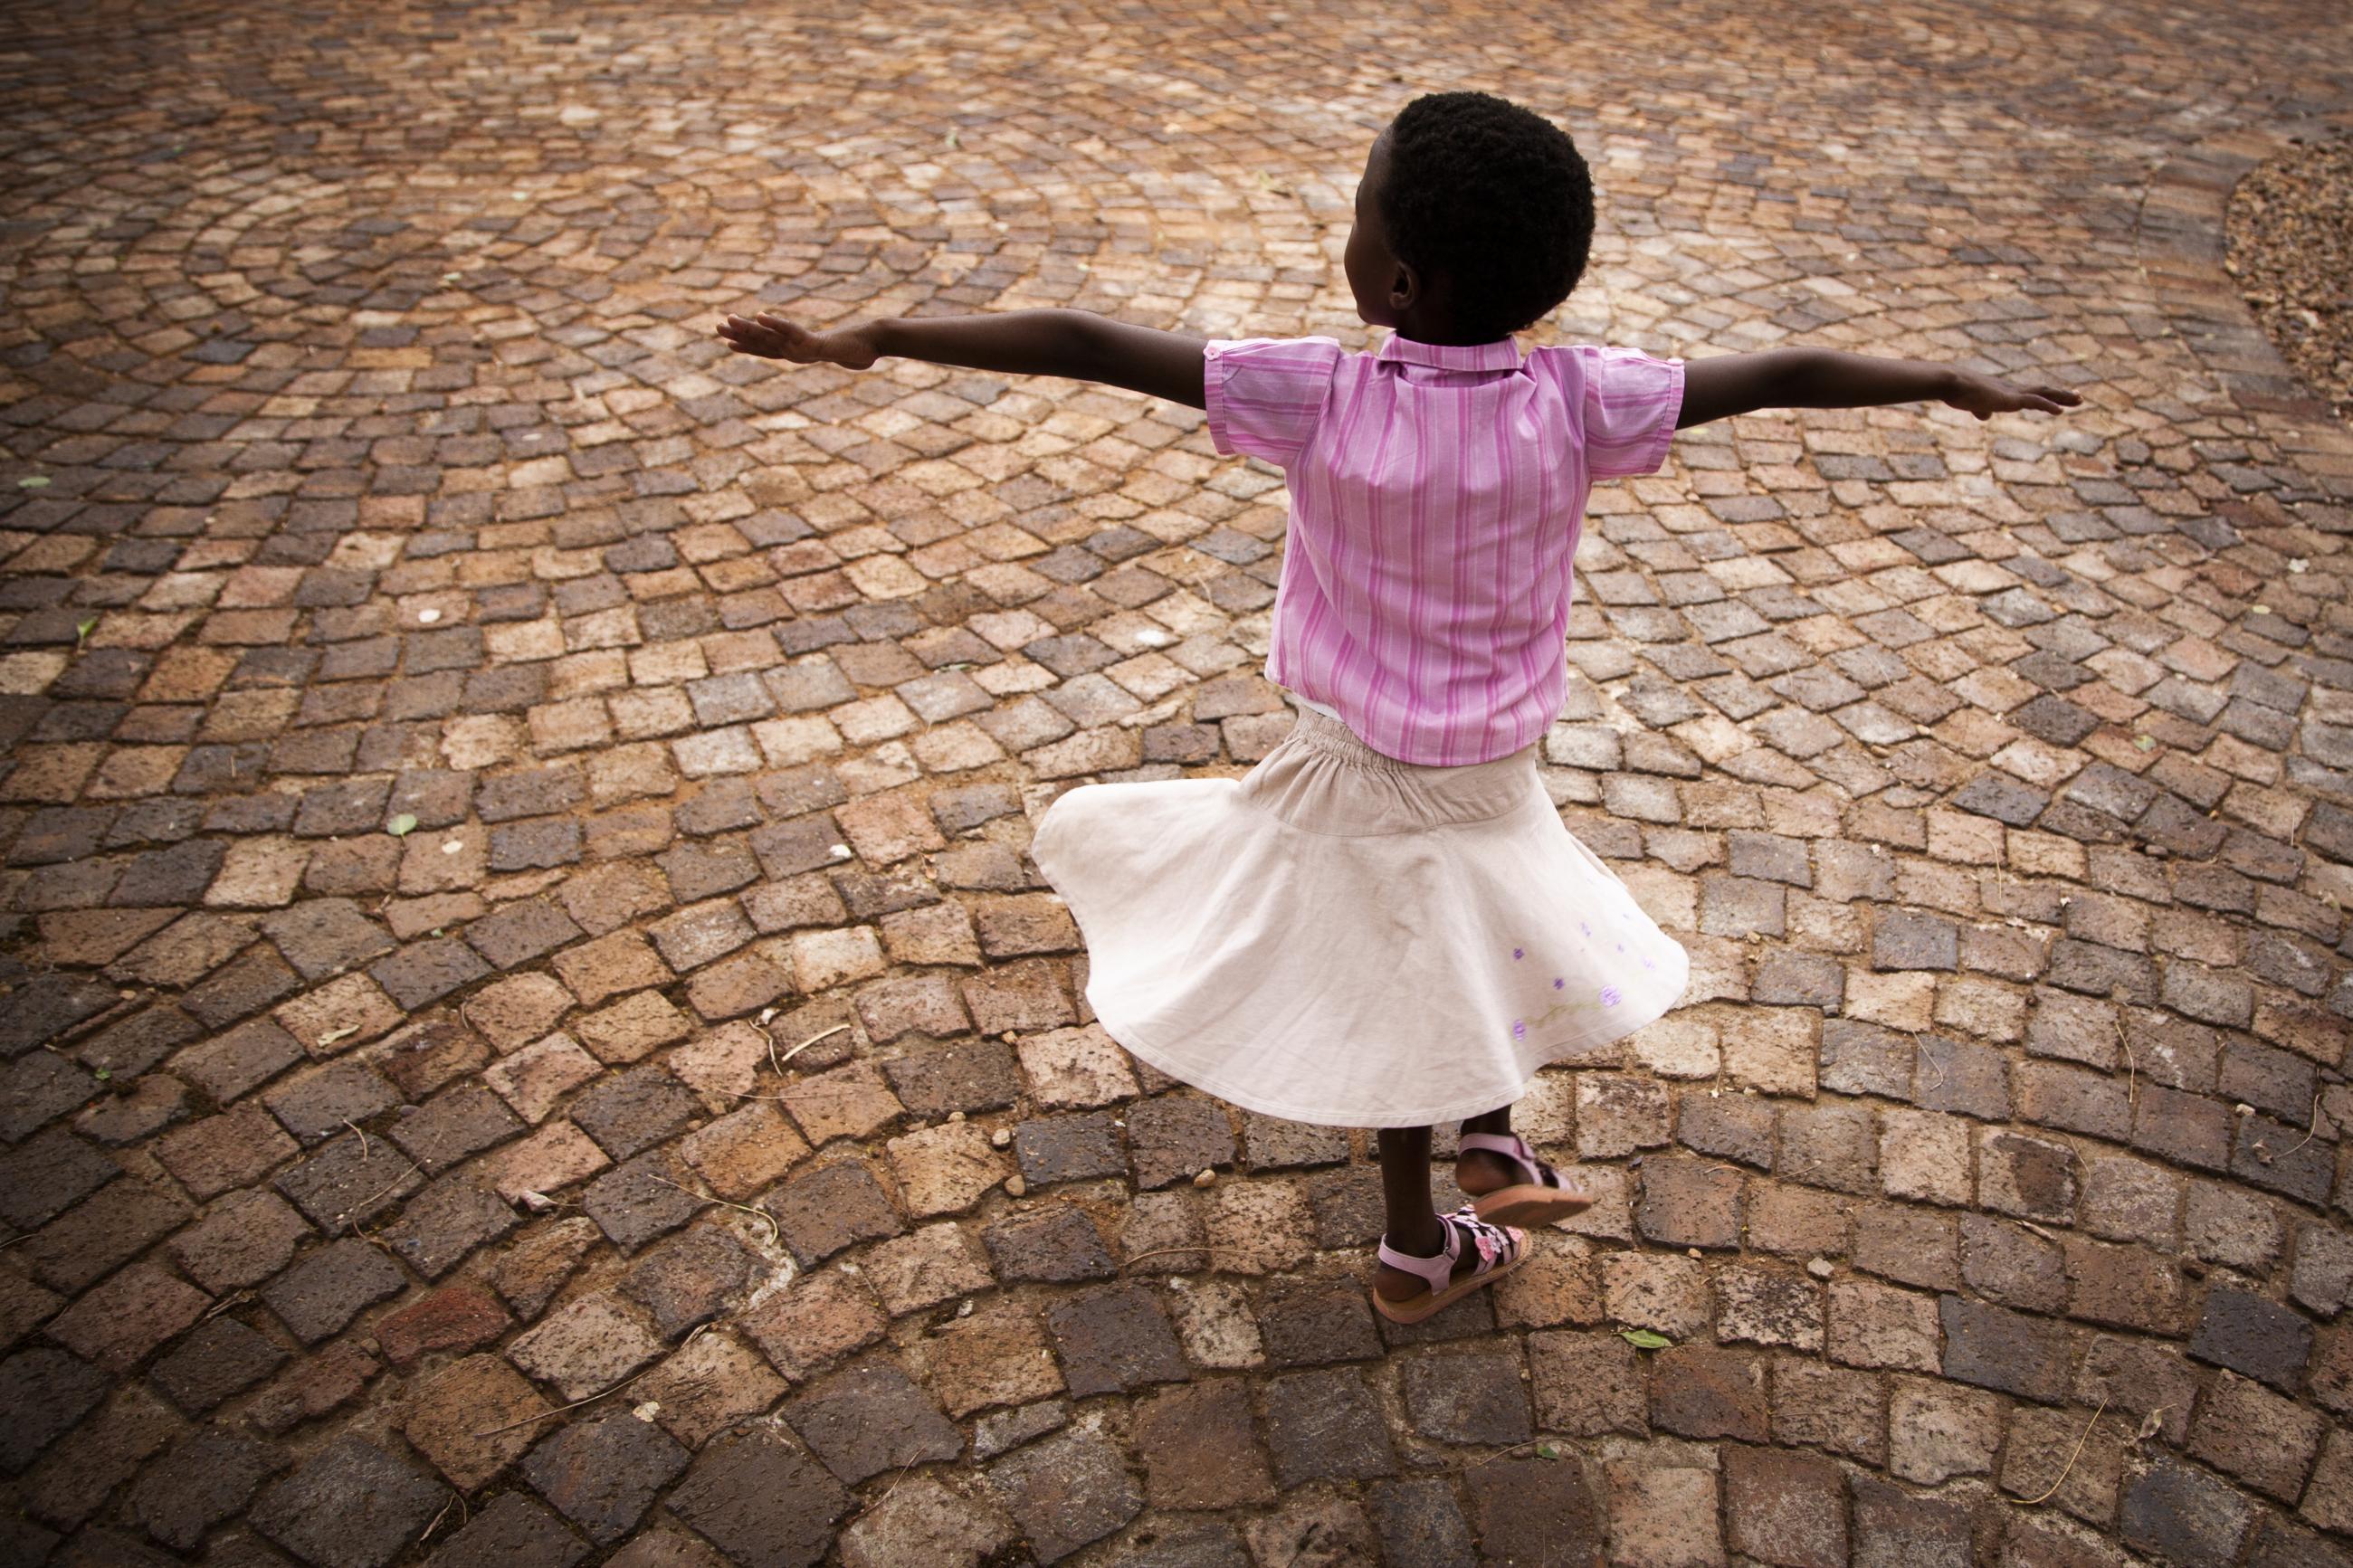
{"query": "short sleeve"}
(1628, 404)
(1265, 396)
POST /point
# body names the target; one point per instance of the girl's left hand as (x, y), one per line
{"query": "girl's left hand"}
(1985, 396)
(772, 336)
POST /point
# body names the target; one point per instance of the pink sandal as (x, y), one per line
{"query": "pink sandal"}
(1501, 1250)
(1541, 1199)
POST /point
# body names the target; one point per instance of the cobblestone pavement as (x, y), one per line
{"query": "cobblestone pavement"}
(464, 730)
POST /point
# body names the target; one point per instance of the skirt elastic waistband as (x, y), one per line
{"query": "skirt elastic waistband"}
(1322, 732)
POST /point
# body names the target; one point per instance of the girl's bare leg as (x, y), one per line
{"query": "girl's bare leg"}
(1413, 1219)
(1478, 1171)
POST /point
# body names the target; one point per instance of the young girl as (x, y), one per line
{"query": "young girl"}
(1385, 924)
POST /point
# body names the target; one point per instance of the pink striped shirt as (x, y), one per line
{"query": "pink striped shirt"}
(1437, 494)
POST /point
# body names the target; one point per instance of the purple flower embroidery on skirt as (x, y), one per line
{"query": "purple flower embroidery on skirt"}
(1610, 997)
(1585, 927)
(1519, 1029)
(1557, 983)
(1519, 952)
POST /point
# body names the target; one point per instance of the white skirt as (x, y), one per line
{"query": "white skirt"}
(1344, 939)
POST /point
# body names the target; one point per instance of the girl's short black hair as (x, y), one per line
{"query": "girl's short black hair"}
(1493, 197)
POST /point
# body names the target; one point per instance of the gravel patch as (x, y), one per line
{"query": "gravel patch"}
(2290, 232)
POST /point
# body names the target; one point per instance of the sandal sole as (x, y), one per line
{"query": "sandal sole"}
(1528, 1205)
(1415, 1308)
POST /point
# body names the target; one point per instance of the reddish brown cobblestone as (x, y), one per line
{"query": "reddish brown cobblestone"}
(529, 1032)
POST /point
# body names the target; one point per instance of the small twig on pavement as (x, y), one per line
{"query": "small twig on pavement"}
(456, 1500)
(2079, 1441)
(1165, 1251)
(2311, 1135)
(799, 1048)
(353, 1224)
(776, 1237)
(534, 1420)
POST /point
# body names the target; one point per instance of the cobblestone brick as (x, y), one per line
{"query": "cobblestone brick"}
(511, 1530)
(1877, 1326)
(688, 1279)
(1660, 1513)
(1113, 1339)
(2181, 1514)
(1311, 1321)
(218, 1359)
(349, 1506)
(585, 1347)
(1064, 1492)
(945, 1169)
(2005, 1350)
(452, 1126)
(47, 1392)
(1767, 1307)
(604, 1474)
(634, 1111)
(2252, 1335)
(818, 1321)
(1057, 1244)
(1532, 1505)
(1785, 1508)
(1687, 1203)
(1171, 1137)
(923, 1523)
(851, 1101)
(1935, 1431)
(760, 1501)
(454, 1418)
(870, 1418)
(1325, 1426)
(1893, 1527)
(456, 1317)
(830, 1206)
(934, 1263)
(1828, 1407)
(1474, 1397)
(1696, 1392)
(998, 1356)
(328, 1288)
(207, 1478)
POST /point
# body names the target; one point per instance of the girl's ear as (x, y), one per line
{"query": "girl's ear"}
(1405, 287)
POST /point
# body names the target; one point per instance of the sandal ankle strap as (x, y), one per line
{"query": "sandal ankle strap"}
(1439, 1272)
(1511, 1147)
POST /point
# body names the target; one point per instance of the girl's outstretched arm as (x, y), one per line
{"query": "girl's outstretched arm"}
(1079, 344)
(1825, 378)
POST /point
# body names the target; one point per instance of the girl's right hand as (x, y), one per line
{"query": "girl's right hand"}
(1985, 396)
(772, 336)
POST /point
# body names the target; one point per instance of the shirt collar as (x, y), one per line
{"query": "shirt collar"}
(1502, 354)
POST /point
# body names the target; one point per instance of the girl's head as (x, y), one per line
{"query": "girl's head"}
(1473, 219)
